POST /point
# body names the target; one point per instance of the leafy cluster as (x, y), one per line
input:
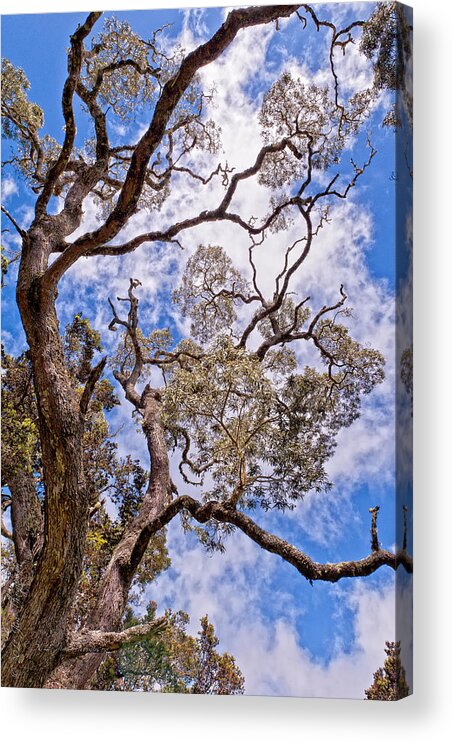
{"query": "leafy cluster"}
(21, 119)
(389, 681)
(174, 661)
(20, 441)
(386, 41)
(21, 122)
(304, 114)
(119, 65)
(209, 287)
(286, 316)
(253, 426)
(252, 430)
(314, 126)
(108, 478)
(81, 344)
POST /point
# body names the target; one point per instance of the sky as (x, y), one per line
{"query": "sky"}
(289, 638)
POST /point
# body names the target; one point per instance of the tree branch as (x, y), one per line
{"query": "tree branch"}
(74, 67)
(128, 382)
(374, 544)
(172, 92)
(311, 570)
(275, 305)
(92, 380)
(86, 642)
(7, 534)
(19, 229)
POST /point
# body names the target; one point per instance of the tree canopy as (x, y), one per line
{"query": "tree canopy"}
(243, 398)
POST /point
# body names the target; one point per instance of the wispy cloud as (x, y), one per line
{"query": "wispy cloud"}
(9, 188)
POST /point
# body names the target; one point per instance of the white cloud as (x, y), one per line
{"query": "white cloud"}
(275, 662)
(9, 188)
(272, 652)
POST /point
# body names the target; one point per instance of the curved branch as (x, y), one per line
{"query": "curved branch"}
(5, 532)
(171, 94)
(148, 70)
(307, 567)
(95, 375)
(335, 42)
(129, 381)
(278, 300)
(282, 337)
(71, 251)
(220, 213)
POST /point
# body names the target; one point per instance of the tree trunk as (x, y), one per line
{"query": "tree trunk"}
(116, 583)
(39, 633)
(27, 522)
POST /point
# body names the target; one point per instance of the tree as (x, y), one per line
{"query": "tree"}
(251, 428)
(168, 658)
(389, 681)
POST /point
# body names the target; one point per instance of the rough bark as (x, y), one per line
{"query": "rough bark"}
(27, 531)
(39, 633)
(116, 583)
(172, 93)
(307, 567)
(109, 641)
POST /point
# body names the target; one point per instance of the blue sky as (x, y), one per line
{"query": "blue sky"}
(309, 638)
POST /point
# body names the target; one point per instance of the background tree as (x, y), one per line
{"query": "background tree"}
(252, 429)
(389, 681)
(173, 662)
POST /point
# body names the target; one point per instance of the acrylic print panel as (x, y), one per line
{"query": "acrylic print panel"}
(206, 229)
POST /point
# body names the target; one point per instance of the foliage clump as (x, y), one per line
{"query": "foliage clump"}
(389, 681)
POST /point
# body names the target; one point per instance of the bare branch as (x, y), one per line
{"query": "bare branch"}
(359, 170)
(19, 229)
(336, 41)
(198, 470)
(74, 67)
(86, 642)
(171, 94)
(92, 380)
(312, 571)
(128, 381)
(324, 310)
(275, 305)
(148, 70)
(373, 529)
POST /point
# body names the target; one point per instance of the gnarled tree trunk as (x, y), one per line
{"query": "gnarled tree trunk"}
(39, 633)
